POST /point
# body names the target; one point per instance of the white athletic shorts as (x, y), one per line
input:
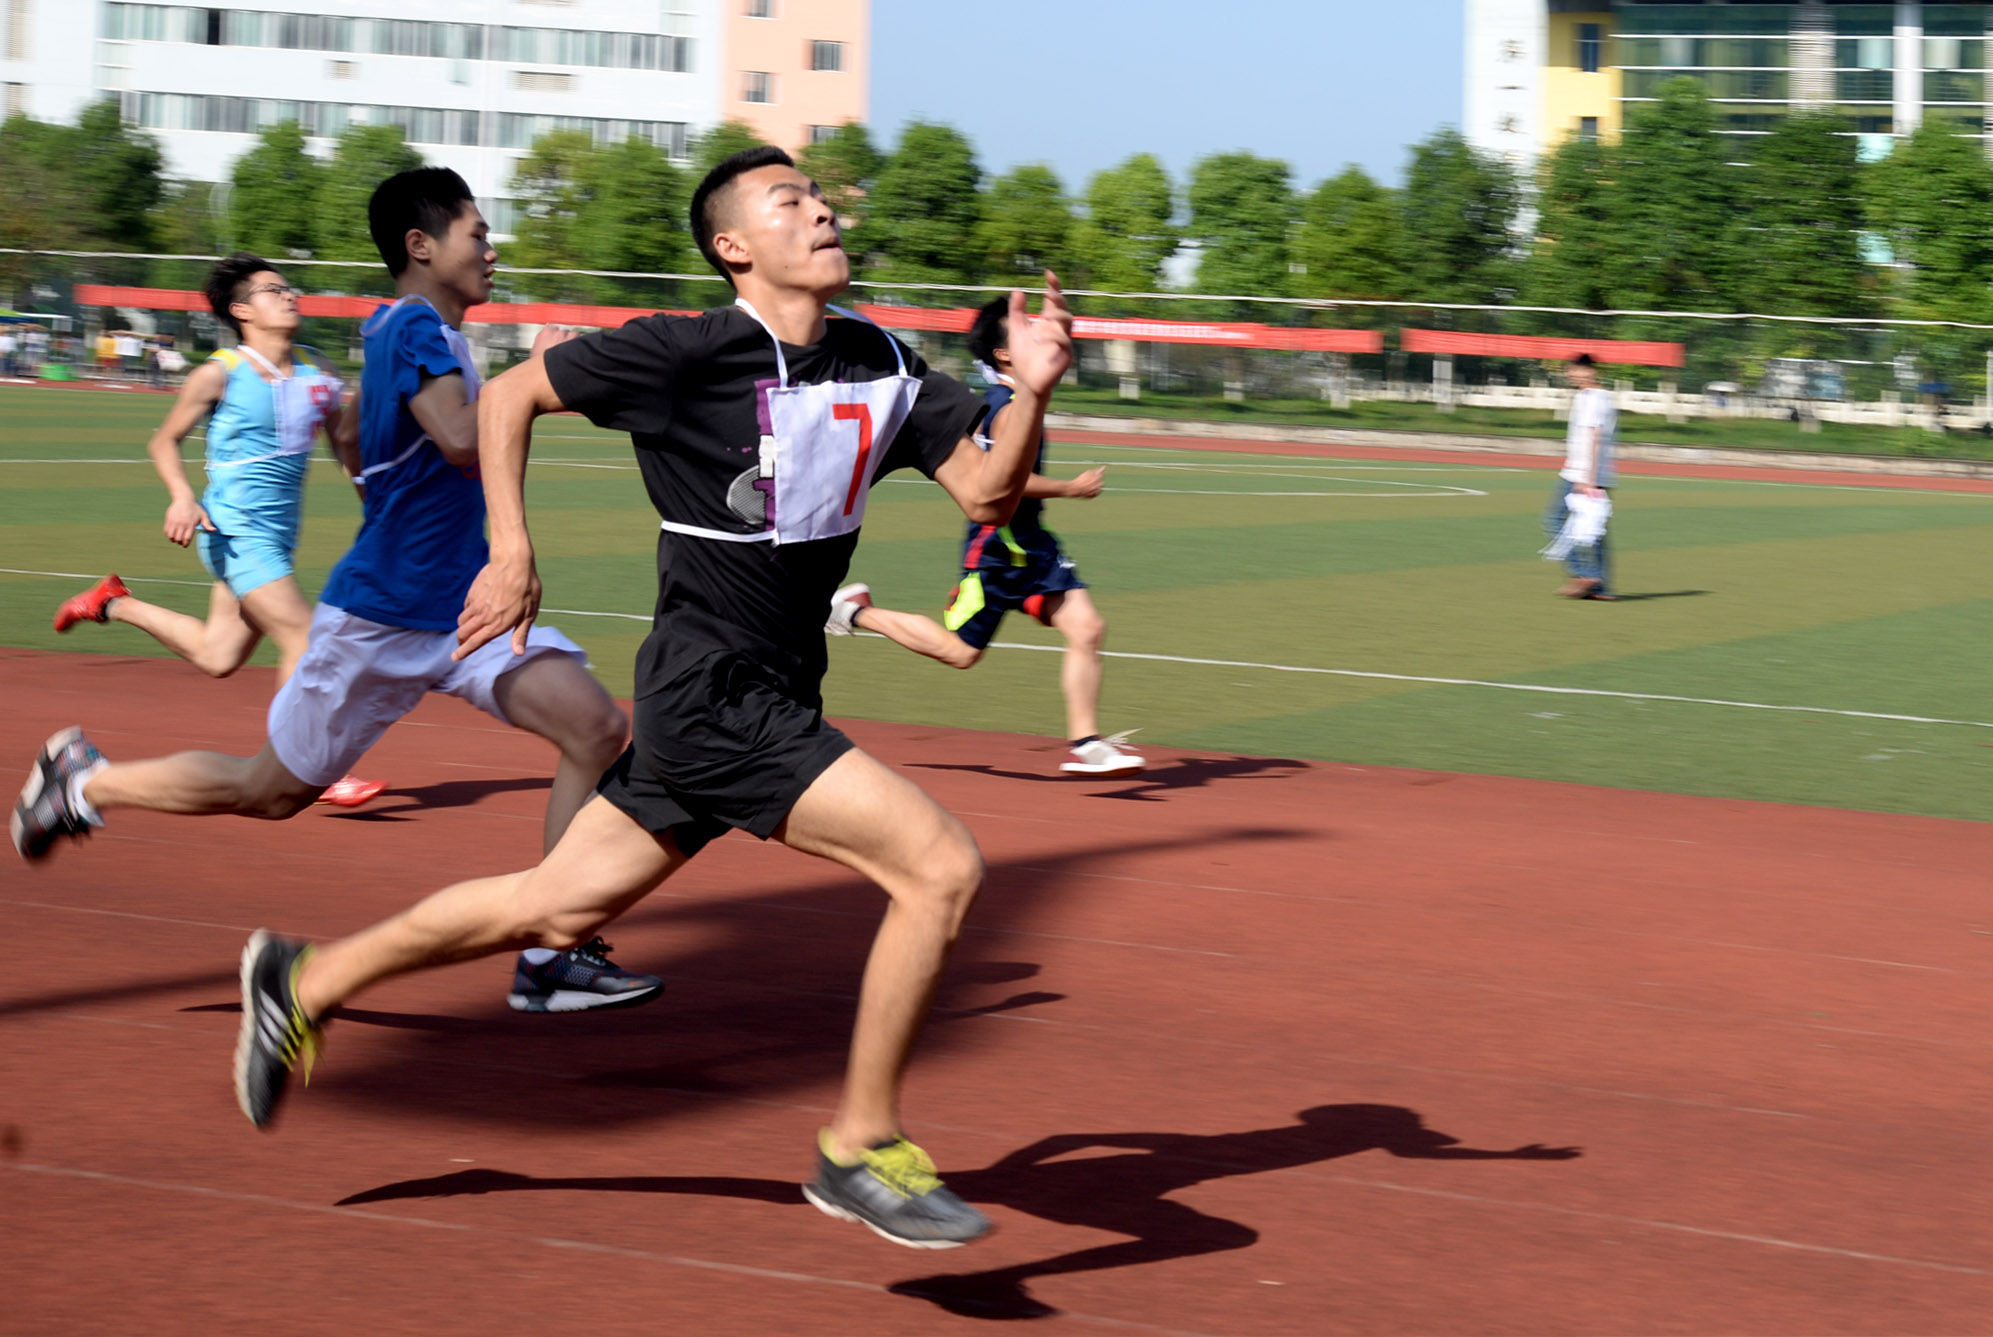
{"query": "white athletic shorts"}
(358, 677)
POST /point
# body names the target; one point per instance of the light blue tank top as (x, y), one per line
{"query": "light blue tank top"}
(260, 439)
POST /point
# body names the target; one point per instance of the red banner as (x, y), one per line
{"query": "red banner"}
(1625, 352)
(954, 320)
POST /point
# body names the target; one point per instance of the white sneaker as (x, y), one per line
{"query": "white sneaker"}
(1104, 757)
(844, 606)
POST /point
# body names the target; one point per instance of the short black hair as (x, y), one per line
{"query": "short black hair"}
(704, 224)
(223, 288)
(428, 198)
(1583, 360)
(991, 330)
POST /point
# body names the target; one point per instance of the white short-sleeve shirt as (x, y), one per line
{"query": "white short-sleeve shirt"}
(1589, 409)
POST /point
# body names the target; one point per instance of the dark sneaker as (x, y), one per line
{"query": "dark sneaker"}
(46, 810)
(276, 1036)
(893, 1189)
(93, 605)
(578, 979)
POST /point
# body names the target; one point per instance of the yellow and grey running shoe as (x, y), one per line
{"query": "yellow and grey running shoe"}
(893, 1189)
(276, 1036)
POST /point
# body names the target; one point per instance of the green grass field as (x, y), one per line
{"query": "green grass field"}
(1854, 601)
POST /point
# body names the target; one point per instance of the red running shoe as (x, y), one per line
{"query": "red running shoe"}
(349, 791)
(93, 603)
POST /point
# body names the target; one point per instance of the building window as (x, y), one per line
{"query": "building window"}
(1589, 43)
(1588, 127)
(820, 134)
(827, 56)
(761, 9)
(542, 81)
(758, 86)
(17, 30)
(17, 100)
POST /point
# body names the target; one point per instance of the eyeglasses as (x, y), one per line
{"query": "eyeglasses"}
(281, 289)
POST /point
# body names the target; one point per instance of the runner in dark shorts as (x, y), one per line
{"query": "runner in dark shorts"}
(1018, 567)
(759, 430)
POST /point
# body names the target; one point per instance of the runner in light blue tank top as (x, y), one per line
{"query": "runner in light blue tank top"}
(266, 401)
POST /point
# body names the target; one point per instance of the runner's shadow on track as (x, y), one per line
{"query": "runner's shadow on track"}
(1125, 1192)
(443, 794)
(1149, 786)
(760, 992)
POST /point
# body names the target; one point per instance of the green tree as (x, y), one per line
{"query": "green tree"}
(722, 142)
(1027, 226)
(844, 166)
(273, 194)
(1572, 260)
(601, 207)
(551, 187)
(41, 206)
(366, 156)
(1127, 235)
(636, 220)
(89, 186)
(1677, 208)
(1242, 217)
(1347, 244)
(926, 208)
(1459, 206)
(1932, 199)
(187, 223)
(118, 172)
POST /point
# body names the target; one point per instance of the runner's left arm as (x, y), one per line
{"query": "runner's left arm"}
(342, 433)
(988, 484)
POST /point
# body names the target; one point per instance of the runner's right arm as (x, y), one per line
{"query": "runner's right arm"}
(199, 393)
(505, 597)
(444, 409)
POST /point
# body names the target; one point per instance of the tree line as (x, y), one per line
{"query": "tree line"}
(1670, 215)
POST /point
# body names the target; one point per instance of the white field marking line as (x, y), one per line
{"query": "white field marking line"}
(737, 1269)
(1502, 686)
(126, 914)
(1255, 664)
(1769, 1241)
(520, 1237)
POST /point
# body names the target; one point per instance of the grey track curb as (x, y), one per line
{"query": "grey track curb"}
(1542, 447)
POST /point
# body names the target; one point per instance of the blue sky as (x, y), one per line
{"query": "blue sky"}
(1082, 84)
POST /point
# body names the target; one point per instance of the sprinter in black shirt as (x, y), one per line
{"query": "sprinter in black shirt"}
(760, 429)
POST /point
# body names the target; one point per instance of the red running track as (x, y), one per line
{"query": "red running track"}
(1246, 1046)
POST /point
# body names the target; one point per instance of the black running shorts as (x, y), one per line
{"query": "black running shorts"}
(724, 744)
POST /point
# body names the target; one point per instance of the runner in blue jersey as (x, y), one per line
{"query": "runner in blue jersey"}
(1008, 568)
(266, 401)
(384, 630)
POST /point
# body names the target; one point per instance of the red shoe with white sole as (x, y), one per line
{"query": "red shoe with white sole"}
(93, 604)
(350, 791)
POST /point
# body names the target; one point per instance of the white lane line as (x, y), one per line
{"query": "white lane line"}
(1489, 684)
(1500, 686)
(519, 1237)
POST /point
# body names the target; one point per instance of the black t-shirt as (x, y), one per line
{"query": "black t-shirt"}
(690, 392)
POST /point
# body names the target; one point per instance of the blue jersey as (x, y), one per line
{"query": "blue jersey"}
(421, 539)
(259, 442)
(1029, 517)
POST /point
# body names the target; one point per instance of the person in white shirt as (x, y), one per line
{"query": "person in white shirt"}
(8, 347)
(1590, 469)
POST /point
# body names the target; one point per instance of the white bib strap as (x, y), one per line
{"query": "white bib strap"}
(398, 460)
(765, 536)
(265, 363)
(782, 363)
